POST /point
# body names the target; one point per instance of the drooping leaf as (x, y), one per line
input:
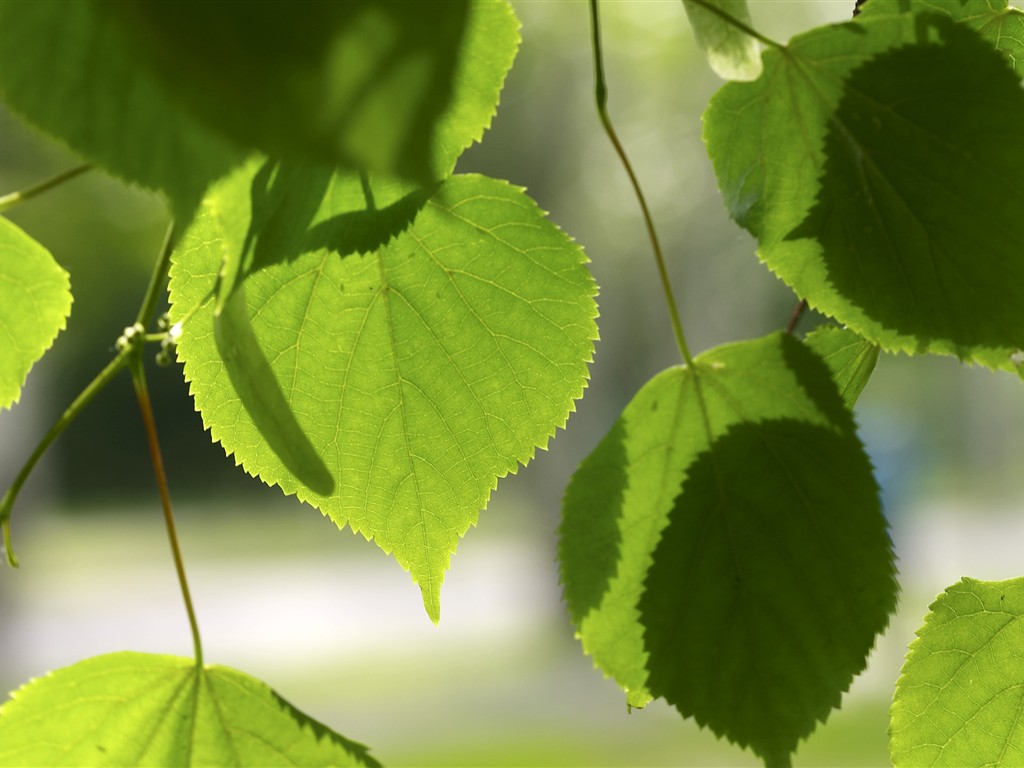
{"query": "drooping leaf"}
(724, 547)
(127, 709)
(388, 354)
(382, 86)
(877, 171)
(732, 54)
(850, 358)
(958, 701)
(67, 68)
(35, 301)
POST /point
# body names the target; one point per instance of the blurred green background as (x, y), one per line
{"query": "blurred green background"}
(330, 621)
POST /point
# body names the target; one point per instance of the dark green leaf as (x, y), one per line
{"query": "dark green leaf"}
(142, 709)
(958, 702)
(850, 358)
(377, 85)
(878, 171)
(67, 68)
(724, 547)
(388, 354)
(35, 301)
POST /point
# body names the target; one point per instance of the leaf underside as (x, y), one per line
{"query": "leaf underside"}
(389, 354)
(877, 170)
(35, 301)
(144, 709)
(732, 54)
(724, 547)
(958, 701)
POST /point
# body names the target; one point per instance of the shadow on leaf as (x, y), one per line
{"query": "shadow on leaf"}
(772, 578)
(261, 396)
(918, 210)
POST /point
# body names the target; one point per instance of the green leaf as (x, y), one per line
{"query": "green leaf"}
(724, 547)
(144, 709)
(392, 87)
(995, 20)
(850, 358)
(958, 701)
(732, 54)
(67, 68)
(35, 301)
(391, 353)
(879, 174)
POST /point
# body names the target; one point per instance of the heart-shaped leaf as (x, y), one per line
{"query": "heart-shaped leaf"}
(878, 173)
(388, 354)
(724, 547)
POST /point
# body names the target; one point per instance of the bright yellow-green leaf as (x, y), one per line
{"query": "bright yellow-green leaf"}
(958, 702)
(137, 709)
(850, 358)
(35, 301)
(388, 354)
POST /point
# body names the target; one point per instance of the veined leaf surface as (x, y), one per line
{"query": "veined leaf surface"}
(958, 701)
(143, 709)
(724, 547)
(388, 354)
(850, 358)
(35, 301)
(878, 173)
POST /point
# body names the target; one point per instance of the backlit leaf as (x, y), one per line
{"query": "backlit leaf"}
(724, 547)
(127, 709)
(389, 353)
(35, 301)
(378, 85)
(732, 54)
(958, 701)
(878, 171)
(850, 358)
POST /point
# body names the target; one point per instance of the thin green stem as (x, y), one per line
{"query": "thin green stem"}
(95, 386)
(744, 28)
(601, 95)
(13, 198)
(157, 280)
(146, 408)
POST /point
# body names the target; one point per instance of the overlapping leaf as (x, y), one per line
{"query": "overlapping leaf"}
(35, 300)
(67, 68)
(392, 87)
(126, 709)
(877, 169)
(731, 53)
(388, 354)
(173, 95)
(724, 547)
(850, 359)
(958, 701)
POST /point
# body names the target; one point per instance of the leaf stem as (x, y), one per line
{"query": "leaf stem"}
(158, 279)
(95, 386)
(146, 408)
(13, 198)
(744, 28)
(601, 95)
(797, 313)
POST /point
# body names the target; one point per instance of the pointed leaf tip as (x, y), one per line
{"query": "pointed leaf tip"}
(411, 352)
